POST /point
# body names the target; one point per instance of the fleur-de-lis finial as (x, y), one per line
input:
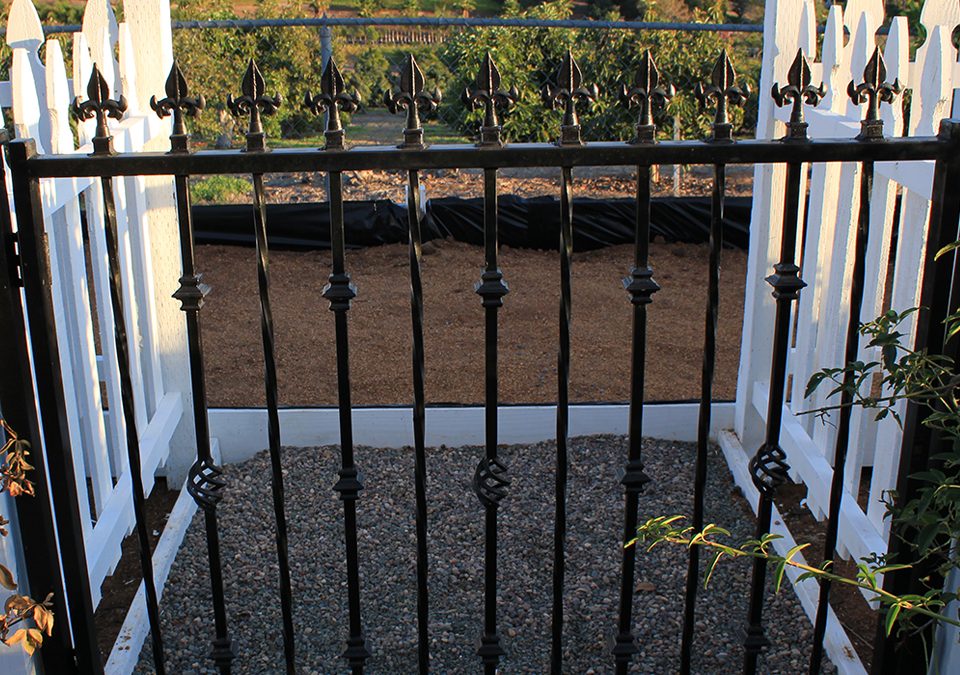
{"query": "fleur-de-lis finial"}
(872, 91)
(253, 102)
(723, 90)
(179, 102)
(568, 92)
(487, 92)
(646, 93)
(332, 98)
(100, 105)
(798, 91)
(412, 98)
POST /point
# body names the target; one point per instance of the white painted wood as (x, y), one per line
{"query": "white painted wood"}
(102, 33)
(821, 218)
(837, 644)
(82, 69)
(126, 650)
(117, 519)
(781, 40)
(860, 537)
(863, 427)
(24, 37)
(242, 432)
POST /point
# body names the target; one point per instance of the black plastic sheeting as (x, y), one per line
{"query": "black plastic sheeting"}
(523, 223)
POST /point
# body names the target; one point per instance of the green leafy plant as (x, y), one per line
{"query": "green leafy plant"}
(903, 610)
(24, 621)
(220, 189)
(928, 524)
(528, 58)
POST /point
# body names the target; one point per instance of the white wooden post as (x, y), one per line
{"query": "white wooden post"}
(781, 39)
(148, 23)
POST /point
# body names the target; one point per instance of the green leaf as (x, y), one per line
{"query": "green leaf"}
(780, 569)
(892, 615)
(946, 249)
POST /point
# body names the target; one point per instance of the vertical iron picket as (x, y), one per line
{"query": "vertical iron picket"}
(205, 482)
(722, 91)
(273, 421)
(646, 92)
(895, 654)
(254, 101)
(768, 468)
(339, 292)
(411, 98)
(490, 480)
(568, 91)
(101, 106)
(563, 418)
(419, 420)
(872, 91)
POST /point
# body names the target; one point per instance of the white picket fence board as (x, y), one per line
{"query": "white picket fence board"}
(40, 95)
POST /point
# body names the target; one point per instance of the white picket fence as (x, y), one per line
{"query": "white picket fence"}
(39, 96)
(933, 77)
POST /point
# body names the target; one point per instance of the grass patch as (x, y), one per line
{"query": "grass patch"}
(220, 189)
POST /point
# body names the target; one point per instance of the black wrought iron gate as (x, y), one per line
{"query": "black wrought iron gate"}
(25, 257)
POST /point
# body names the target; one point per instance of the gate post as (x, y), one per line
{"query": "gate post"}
(939, 287)
(55, 446)
(34, 517)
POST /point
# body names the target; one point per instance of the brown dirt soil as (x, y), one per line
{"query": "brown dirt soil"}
(380, 330)
(119, 589)
(309, 187)
(855, 615)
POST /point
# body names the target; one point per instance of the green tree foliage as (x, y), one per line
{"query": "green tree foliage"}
(214, 61)
(529, 57)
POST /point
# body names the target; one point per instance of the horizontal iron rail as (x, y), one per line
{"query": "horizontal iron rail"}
(443, 22)
(386, 158)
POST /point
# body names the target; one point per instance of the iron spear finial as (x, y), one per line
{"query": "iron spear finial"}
(254, 101)
(487, 92)
(568, 92)
(798, 91)
(412, 98)
(179, 102)
(723, 91)
(332, 98)
(647, 94)
(873, 90)
(100, 105)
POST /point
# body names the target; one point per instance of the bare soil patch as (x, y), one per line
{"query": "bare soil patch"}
(380, 332)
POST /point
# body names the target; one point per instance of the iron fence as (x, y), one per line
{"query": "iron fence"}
(568, 91)
(371, 52)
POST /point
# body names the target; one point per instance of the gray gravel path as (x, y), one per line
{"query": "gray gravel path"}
(387, 550)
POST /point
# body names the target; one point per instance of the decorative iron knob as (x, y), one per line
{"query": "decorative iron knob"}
(412, 98)
(100, 105)
(723, 91)
(254, 102)
(568, 92)
(798, 91)
(646, 93)
(332, 99)
(872, 91)
(487, 92)
(179, 102)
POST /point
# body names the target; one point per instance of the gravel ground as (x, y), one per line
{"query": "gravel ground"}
(388, 589)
